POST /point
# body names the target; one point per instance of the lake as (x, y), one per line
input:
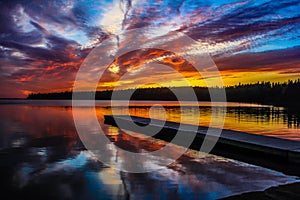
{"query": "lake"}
(42, 155)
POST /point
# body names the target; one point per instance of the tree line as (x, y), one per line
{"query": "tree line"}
(287, 93)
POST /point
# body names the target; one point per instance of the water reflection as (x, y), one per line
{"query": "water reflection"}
(43, 158)
(265, 120)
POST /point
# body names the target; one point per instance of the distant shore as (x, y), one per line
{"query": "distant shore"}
(278, 94)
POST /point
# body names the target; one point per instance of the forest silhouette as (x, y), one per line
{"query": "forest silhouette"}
(285, 94)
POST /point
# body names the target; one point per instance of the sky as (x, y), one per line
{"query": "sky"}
(43, 43)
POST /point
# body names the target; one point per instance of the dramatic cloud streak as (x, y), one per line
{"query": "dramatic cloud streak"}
(43, 43)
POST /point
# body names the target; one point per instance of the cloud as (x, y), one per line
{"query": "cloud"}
(277, 60)
(43, 43)
(246, 21)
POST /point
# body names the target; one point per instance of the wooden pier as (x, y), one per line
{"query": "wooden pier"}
(275, 153)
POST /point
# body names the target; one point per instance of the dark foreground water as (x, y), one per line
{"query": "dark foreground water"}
(42, 157)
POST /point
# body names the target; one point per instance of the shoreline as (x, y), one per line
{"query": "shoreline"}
(293, 107)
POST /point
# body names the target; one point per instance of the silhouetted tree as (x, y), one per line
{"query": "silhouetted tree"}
(287, 93)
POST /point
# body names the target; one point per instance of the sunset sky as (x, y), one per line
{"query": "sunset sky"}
(43, 43)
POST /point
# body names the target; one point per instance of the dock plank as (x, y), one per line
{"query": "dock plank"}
(276, 153)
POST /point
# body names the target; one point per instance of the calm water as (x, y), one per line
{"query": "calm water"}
(42, 156)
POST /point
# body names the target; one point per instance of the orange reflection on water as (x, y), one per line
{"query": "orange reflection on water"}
(41, 121)
(199, 177)
(251, 118)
